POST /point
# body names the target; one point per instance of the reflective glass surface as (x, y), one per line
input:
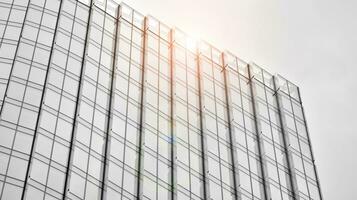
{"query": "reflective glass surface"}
(98, 101)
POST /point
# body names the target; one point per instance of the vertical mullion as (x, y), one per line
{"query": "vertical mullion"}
(127, 101)
(284, 134)
(310, 146)
(271, 134)
(158, 114)
(173, 136)
(140, 166)
(216, 120)
(41, 101)
(76, 112)
(202, 130)
(188, 121)
(298, 139)
(258, 133)
(111, 97)
(245, 128)
(95, 104)
(231, 131)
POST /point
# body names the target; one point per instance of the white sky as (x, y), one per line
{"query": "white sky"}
(311, 43)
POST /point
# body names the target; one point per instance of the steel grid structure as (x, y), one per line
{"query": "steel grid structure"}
(98, 101)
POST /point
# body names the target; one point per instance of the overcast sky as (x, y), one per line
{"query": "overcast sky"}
(312, 43)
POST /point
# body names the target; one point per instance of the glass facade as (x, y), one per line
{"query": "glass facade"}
(98, 101)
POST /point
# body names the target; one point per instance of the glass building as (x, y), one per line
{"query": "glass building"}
(98, 101)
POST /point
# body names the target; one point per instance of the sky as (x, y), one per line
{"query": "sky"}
(312, 43)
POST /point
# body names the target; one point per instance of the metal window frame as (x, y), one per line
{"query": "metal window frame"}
(76, 112)
(260, 146)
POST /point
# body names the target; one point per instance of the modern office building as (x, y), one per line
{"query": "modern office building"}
(100, 102)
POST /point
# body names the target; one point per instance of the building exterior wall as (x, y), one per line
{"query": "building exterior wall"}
(98, 101)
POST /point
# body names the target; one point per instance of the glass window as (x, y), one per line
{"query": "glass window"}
(215, 191)
(67, 107)
(242, 158)
(224, 152)
(77, 47)
(86, 111)
(129, 182)
(196, 185)
(71, 86)
(39, 171)
(16, 90)
(29, 32)
(23, 142)
(4, 12)
(56, 78)
(117, 149)
(34, 15)
(10, 113)
(39, 3)
(130, 157)
(59, 58)
(97, 143)
(164, 171)
(150, 140)
(52, 99)
(227, 175)
(33, 193)
(44, 145)
(115, 173)
(256, 185)
(17, 15)
(65, 23)
(149, 188)
(33, 96)
(73, 66)
(102, 98)
(45, 37)
(60, 153)
(301, 182)
(48, 121)
(183, 178)
(10, 50)
(89, 90)
(125, 30)
(37, 75)
(20, 70)
(132, 133)
(56, 179)
(79, 30)
(93, 51)
(7, 136)
(11, 192)
(77, 184)
(92, 191)
(314, 193)
(83, 134)
(52, 5)
(213, 167)
(12, 32)
(150, 163)
(212, 145)
(28, 118)
(99, 120)
(91, 70)
(94, 167)
(80, 159)
(4, 159)
(17, 168)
